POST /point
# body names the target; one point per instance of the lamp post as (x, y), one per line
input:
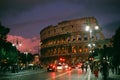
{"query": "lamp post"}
(26, 55)
(17, 43)
(91, 29)
(91, 44)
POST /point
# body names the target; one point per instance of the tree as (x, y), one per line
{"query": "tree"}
(116, 46)
(30, 57)
(8, 53)
(3, 32)
(11, 53)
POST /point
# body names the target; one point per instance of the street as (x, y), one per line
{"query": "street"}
(74, 74)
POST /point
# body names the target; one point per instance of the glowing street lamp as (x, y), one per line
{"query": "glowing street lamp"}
(87, 28)
(91, 45)
(90, 29)
(17, 43)
(96, 27)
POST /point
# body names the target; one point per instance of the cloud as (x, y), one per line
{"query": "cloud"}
(28, 44)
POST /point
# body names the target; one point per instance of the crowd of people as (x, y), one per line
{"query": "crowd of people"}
(102, 67)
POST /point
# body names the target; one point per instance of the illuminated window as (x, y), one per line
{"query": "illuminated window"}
(73, 49)
(80, 50)
(86, 49)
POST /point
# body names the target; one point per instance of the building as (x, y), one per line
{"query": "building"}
(70, 40)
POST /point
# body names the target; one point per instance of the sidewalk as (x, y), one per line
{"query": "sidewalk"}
(21, 72)
(111, 76)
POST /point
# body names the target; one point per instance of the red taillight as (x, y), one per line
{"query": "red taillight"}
(69, 67)
(53, 66)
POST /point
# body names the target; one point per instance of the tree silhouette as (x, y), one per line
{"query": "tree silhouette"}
(116, 46)
(3, 32)
(8, 53)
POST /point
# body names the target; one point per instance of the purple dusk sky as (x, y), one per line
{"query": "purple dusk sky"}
(27, 18)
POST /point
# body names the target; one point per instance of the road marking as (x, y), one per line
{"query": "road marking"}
(89, 74)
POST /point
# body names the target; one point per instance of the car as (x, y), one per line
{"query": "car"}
(51, 67)
(79, 65)
(68, 68)
(73, 66)
(59, 67)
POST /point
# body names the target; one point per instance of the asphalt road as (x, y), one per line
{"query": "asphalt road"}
(74, 74)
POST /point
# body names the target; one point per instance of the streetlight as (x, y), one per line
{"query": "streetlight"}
(26, 53)
(17, 43)
(91, 29)
(91, 45)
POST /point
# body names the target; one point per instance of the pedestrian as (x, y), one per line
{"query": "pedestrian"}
(86, 66)
(112, 69)
(91, 67)
(82, 67)
(105, 70)
(96, 70)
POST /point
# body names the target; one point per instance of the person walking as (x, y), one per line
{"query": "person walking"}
(96, 71)
(82, 67)
(86, 67)
(91, 67)
(105, 70)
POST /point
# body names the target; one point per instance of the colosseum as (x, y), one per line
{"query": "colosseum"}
(70, 40)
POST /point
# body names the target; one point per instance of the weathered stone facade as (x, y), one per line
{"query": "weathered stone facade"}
(69, 39)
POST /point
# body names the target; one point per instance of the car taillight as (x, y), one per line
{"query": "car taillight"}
(69, 67)
(53, 66)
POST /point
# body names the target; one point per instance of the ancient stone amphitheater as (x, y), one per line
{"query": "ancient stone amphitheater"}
(70, 40)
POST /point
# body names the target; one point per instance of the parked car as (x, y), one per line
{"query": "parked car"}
(51, 67)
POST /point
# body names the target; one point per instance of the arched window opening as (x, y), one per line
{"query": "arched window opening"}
(86, 37)
(79, 38)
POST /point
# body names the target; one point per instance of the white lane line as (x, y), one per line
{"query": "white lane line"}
(85, 77)
(89, 74)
